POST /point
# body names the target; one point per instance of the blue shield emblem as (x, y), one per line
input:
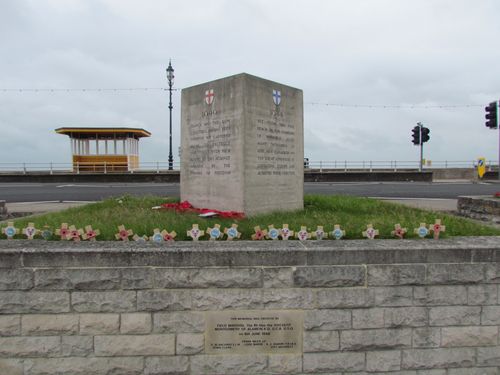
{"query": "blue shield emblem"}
(277, 97)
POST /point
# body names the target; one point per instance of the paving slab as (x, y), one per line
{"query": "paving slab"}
(447, 205)
(33, 208)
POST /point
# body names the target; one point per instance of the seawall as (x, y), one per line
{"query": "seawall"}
(360, 307)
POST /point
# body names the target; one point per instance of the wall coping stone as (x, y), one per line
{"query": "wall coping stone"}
(23, 253)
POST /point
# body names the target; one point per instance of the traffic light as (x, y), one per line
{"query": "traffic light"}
(416, 135)
(491, 115)
(425, 134)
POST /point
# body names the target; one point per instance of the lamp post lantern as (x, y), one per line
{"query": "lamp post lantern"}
(170, 78)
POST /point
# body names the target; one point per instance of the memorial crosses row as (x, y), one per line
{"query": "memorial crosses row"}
(71, 233)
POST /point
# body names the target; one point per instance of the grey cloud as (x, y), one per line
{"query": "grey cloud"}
(395, 52)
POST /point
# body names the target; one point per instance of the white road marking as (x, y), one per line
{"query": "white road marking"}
(84, 186)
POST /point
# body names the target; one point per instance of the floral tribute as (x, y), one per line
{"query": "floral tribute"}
(10, 230)
(46, 233)
(163, 236)
(195, 232)
(337, 232)
(319, 233)
(63, 231)
(421, 231)
(90, 234)
(437, 228)
(140, 239)
(185, 206)
(74, 234)
(303, 234)
(157, 236)
(30, 231)
(398, 231)
(259, 234)
(169, 236)
(370, 232)
(285, 232)
(214, 233)
(232, 232)
(123, 234)
(272, 233)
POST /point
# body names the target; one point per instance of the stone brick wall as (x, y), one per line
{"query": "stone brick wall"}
(370, 307)
(485, 208)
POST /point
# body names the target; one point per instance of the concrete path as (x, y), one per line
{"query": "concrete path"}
(23, 208)
(446, 205)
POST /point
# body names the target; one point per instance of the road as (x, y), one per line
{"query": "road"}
(15, 192)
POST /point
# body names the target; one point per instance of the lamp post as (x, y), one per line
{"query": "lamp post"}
(170, 77)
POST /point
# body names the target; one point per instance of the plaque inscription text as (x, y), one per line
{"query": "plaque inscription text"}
(256, 331)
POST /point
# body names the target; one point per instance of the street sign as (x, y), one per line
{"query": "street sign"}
(481, 167)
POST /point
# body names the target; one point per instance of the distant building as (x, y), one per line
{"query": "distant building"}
(104, 149)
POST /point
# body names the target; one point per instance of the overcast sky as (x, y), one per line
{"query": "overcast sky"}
(424, 53)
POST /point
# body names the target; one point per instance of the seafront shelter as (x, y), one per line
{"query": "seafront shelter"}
(104, 149)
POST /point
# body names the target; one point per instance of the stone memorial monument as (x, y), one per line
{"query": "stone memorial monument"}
(242, 145)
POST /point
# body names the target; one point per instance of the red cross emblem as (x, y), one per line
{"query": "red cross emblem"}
(209, 96)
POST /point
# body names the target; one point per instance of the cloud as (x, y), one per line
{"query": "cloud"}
(388, 52)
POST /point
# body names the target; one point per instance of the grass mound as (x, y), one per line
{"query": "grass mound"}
(352, 213)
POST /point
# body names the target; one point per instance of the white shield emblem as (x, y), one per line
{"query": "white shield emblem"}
(209, 96)
(277, 97)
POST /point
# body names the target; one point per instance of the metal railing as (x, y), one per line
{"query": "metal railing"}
(85, 167)
(162, 166)
(393, 165)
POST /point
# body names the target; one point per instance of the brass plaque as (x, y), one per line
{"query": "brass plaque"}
(253, 331)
